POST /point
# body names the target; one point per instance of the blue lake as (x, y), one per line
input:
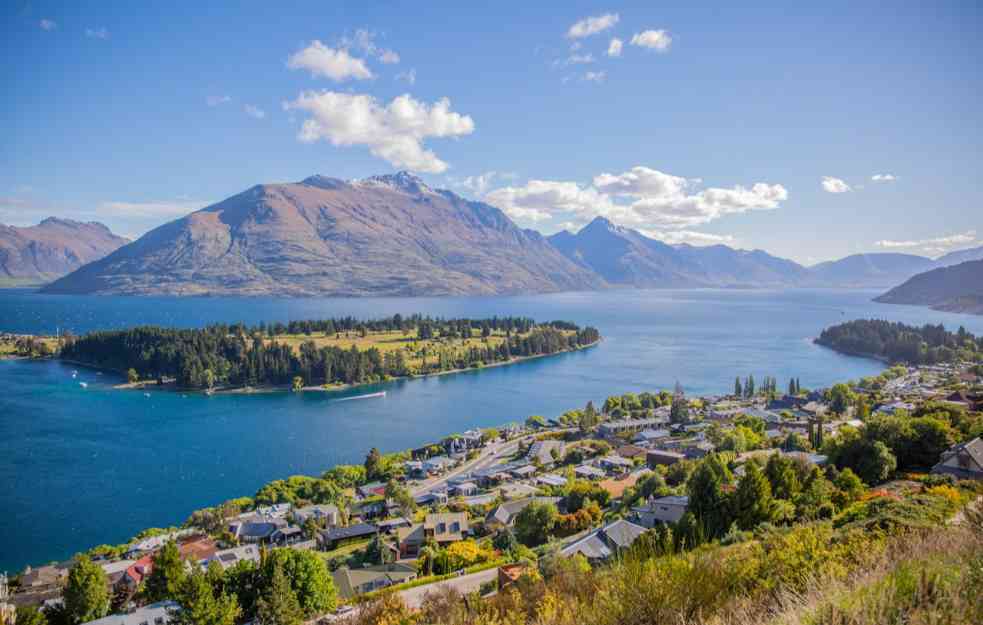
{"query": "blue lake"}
(84, 466)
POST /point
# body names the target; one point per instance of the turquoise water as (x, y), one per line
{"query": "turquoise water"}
(83, 466)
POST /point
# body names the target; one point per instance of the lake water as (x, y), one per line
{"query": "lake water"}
(84, 466)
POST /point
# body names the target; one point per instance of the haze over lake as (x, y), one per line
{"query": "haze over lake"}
(83, 466)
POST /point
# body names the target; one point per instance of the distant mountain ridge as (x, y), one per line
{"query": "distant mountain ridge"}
(627, 257)
(52, 248)
(384, 235)
(394, 235)
(957, 288)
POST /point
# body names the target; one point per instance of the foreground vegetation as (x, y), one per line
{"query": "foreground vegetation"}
(319, 353)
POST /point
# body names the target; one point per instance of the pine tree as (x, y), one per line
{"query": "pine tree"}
(279, 605)
(201, 606)
(164, 581)
(738, 391)
(752, 501)
(679, 411)
(791, 387)
(87, 592)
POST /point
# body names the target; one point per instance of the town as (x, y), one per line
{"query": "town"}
(479, 511)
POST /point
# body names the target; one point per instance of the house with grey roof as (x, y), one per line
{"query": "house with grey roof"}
(661, 510)
(504, 515)
(352, 582)
(227, 558)
(152, 614)
(326, 514)
(963, 461)
(546, 452)
(605, 542)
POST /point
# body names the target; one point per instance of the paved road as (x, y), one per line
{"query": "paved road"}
(413, 597)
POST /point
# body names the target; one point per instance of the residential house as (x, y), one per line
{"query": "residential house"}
(699, 450)
(504, 514)
(546, 452)
(615, 464)
(352, 582)
(628, 426)
(464, 489)
(525, 470)
(372, 489)
(444, 529)
(892, 407)
(605, 542)
(288, 536)
(436, 497)
(326, 514)
(137, 572)
(153, 614)
(517, 490)
(663, 456)
(42, 578)
(414, 469)
(963, 461)
(115, 570)
(338, 536)
(650, 435)
(227, 558)
(588, 472)
(197, 548)
(256, 529)
(437, 465)
(389, 526)
(551, 479)
(661, 510)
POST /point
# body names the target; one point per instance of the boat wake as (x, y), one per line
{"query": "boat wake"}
(368, 396)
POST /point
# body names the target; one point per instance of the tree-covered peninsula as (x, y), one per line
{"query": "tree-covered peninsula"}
(327, 352)
(897, 342)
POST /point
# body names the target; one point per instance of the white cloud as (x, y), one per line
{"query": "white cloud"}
(409, 76)
(478, 185)
(364, 40)
(97, 33)
(165, 209)
(47, 24)
(658, 40)
(574, 59)
(394, 132)
(592, 25)
(884, 178)
(835, 185)
(216, 100)
(254, 111)
(936, 245)
(675, 237)
(541, 200)
(614, 48)
(640, 198)
(336, 64)
(595, 76)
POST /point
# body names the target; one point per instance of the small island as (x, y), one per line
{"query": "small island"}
(895, 342)
(326, 354)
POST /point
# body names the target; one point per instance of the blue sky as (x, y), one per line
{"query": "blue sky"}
(744, 123)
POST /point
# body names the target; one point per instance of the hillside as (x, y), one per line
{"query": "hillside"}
(869, 270)
(51, 249)
(385, 235)
(958, 288)
(626, 257)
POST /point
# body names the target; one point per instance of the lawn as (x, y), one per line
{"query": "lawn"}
(414, 348)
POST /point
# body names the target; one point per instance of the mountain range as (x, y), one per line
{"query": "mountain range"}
(51, 249)
(385, 235)
(394, 235)
(957, 288)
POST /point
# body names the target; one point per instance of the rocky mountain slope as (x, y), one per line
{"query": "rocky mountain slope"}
(385, 235)
(51, 249)
(958, 288)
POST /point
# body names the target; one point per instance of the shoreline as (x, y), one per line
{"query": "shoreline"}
(145, 385)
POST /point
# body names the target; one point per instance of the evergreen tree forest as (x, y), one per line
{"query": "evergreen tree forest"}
(897, 342)
(237, 355)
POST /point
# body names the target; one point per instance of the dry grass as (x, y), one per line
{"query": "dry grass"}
(414, 348)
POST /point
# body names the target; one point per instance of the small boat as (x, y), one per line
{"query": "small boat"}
(83, 384)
